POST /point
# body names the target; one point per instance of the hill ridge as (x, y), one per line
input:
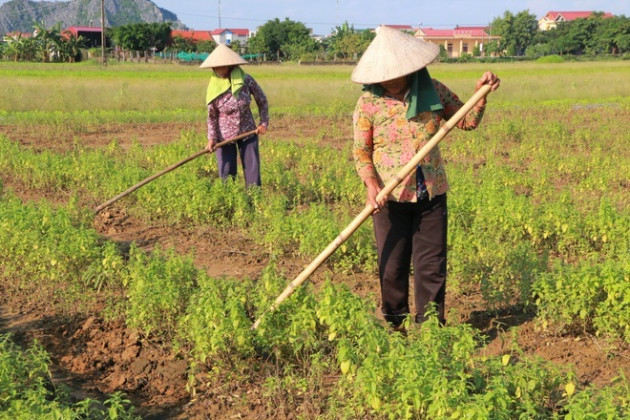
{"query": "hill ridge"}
(21, 15)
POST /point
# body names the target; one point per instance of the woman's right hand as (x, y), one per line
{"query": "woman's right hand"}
(211, 143)
(373, 188)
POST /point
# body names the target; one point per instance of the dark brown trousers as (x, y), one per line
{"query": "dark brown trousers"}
(412, 233)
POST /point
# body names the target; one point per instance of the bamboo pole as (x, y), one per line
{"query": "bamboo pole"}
(170, 168)
(368, 210)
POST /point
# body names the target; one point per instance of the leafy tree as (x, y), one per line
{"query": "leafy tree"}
(27, 49)
(443, 53)
(282, 39)
(301, 51)
(490, 47)
(180, 43)
(525, 28)
(129, 37)
(237, 46)
(20, 48)
(206, 46)
(612, 35)
(595, 35)
(158, 35)
(580, 32)
(71, 47)
(517, 31)
(538, 50)
(189, 45)
(142, 36)
(562, 41)
(47, 42)
(348, 43)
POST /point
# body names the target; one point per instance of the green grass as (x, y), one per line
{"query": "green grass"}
(291, 89)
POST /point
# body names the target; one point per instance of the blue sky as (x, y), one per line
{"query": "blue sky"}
(324, 15)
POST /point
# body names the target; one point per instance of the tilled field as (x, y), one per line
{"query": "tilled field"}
(95, 357)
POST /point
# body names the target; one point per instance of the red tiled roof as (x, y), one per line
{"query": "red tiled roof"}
(469, 31)
(437, 32)
(472, 28)
(568, 16)
(195, 35)
(242, 32)
(16, 34)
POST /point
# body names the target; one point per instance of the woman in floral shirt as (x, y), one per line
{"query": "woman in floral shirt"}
(400, 111)
(229, 114)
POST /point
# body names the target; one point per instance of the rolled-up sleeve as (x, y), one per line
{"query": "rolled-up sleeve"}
(452, 104)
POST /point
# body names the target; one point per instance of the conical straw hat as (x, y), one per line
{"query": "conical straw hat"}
(222, 56)
(393, 54)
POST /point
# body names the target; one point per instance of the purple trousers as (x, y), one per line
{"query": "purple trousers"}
(412, 233)
(247, 149)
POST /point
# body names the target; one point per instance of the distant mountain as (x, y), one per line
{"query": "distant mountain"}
(20, 15)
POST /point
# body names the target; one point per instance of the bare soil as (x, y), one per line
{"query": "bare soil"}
(95, 357)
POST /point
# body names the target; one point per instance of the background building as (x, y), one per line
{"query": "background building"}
(551, 19)
(458, 41)
(227, 36)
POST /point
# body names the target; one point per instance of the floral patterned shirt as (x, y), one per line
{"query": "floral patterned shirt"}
(229, 116)
(385, 140)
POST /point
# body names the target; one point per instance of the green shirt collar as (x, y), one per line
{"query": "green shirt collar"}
(422, 96)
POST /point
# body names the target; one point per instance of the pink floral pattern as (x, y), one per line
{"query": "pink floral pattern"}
(384, 140)
(229, 116)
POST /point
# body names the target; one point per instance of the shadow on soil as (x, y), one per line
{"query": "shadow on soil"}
(494, 322)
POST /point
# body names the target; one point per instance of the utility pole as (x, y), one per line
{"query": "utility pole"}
(103, 59)
(220, 14)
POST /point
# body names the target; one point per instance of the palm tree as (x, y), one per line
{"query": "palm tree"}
(71, 47)
(12, 48)
(20, 48)
(48, 41)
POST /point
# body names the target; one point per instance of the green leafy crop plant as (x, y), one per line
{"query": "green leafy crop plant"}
(538, 218)
(27, 391)
(159, 288)
(35, 245)
(505, 212)
(433, 372)
(193, 195)
(589, 296)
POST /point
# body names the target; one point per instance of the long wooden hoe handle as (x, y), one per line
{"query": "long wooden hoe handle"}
(368, 210)
(170, 168)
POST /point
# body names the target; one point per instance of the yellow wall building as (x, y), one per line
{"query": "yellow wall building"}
(551, 19)
(458, 41)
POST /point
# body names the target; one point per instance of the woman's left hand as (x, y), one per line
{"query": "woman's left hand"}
(261, 129)
(488, 78)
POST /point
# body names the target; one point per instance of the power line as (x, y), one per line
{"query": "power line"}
(364, 25)
(220, 18)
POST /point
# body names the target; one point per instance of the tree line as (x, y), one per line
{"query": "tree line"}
(276, 40)
(289, 40)
(593, 35)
